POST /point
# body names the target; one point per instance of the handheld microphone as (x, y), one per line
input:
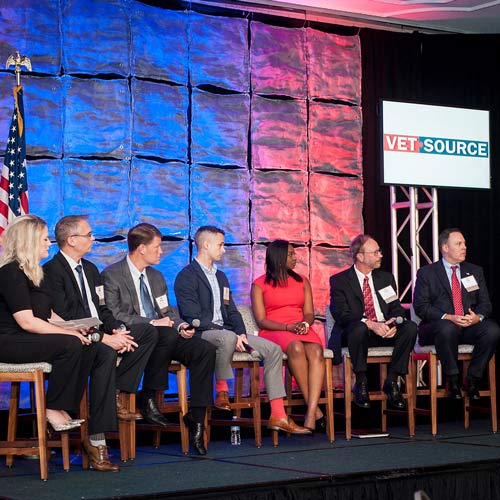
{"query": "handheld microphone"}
(95, 335)
(253, 352)
(193, 325)
(397, 321)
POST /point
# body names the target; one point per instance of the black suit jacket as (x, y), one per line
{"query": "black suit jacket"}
(432, 295)
(347, 303)
(68, 302)
(195, 300)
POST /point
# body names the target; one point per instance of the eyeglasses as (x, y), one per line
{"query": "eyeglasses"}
(88, 235)
(374, 252)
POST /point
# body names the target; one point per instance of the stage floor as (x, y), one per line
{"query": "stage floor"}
(166, 472)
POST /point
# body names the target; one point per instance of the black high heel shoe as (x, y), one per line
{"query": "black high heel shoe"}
(320, 425)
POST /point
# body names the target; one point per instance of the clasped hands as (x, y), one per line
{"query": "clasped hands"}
(385, 329)
(299, 328)
(463, 321)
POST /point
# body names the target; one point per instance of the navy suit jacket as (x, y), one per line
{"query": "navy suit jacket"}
(195, 300)
(347, 303)
(432, 295)
(68, 302)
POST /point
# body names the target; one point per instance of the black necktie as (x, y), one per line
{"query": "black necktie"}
(147, 303)
(86, 307)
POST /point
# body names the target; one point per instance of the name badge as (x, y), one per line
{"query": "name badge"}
(99, 290)
(225, 295)
(162, 301)
(470, 283)
(388, 294)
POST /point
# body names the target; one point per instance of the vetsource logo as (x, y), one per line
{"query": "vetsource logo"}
(435, 145)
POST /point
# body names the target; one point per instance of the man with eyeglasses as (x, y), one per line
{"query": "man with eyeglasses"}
(78, 293)
(365, 306)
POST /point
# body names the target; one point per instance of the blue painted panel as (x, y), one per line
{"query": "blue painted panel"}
(43, 103)
(45, 178)
(220, 128)
(237, 264)
(159, 43)
(175, 256)
(212, 39)
(32, 28)
(160, 125)
(160, 195)
(96, 37)
(98, 189)
(220, 197)
(97, 118)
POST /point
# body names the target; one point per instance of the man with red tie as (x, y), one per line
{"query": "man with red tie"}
(365, 306)
(452, 301)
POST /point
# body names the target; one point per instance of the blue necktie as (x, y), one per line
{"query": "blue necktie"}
(146, 301)
(86, 306)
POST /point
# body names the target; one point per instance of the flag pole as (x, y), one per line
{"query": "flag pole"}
(18, 60)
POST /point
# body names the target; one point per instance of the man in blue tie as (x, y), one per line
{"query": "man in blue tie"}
(137, 294)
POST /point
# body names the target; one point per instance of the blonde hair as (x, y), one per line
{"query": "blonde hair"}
(21, 244)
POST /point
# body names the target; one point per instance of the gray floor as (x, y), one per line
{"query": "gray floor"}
(167, 470)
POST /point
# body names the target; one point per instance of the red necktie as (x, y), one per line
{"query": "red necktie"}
(368, 298)
(456, 292)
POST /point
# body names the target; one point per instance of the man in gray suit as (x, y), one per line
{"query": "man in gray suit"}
(136, 293)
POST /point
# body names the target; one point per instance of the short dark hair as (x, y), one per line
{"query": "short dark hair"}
(276, 270)
(143, 233)
(357, 244)
(206, 229)
(67, 226)
(444, 236)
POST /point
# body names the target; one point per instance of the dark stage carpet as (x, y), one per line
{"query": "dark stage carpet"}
(301, 467)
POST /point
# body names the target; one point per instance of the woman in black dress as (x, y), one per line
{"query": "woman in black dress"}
(26, 336)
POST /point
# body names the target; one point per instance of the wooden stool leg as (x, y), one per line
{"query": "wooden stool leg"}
(123, 431)
(183, 409)
(131, 428)
(493, 393)
(433, 391)
(410, 399)
(255, 395)
(15, 390)
(329, 400)
(84, 429)
(383, 376)
(347, 397)
(65, 450)
(41, 418)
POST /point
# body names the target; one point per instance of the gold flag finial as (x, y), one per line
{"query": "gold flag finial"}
(18, 60)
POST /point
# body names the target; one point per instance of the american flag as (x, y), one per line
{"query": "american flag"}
(14, 182)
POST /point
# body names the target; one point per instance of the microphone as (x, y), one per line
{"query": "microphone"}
(397, 321)
(193, 325)
(253, 352)
(95, 335)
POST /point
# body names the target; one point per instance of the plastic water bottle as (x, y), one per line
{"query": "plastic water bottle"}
(235, 433)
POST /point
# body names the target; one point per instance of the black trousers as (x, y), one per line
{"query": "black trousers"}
(195, 353)
(446, 336)
(64, 352)
(358, 339)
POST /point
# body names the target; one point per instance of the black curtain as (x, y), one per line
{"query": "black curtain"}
(449, 70)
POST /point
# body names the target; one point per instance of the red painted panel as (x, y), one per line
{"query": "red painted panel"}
(336, 208)
(335, 138)
(279, 206)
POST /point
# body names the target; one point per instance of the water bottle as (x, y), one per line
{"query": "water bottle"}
(235, 433)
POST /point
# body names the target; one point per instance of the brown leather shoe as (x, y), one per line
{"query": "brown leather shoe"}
(122, 413)
(98, 458)
(222, 401)
(286, 425)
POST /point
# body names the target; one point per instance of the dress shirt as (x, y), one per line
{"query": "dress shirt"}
(449, 271)
(214, 285)
(361, 279)
(72, 263)
(136, 278)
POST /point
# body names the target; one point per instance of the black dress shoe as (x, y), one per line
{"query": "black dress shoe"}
(197, 433)
(472, 390)
(361, 396)
(394, 397)
(152, 414)
(454, 392)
